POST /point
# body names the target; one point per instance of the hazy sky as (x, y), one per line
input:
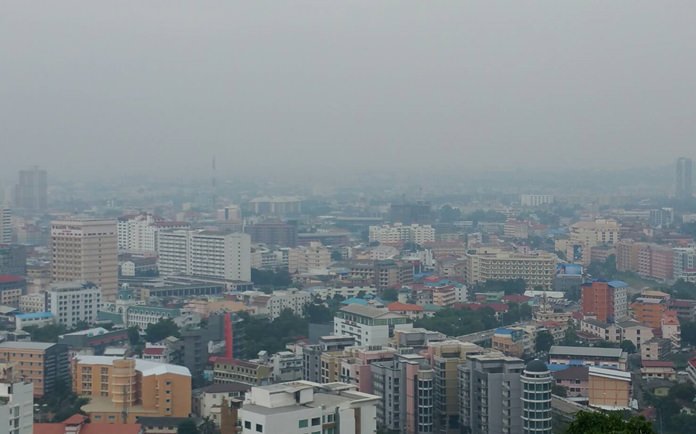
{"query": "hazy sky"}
(104, 86)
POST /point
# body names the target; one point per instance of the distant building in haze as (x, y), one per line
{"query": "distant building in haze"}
(684, 181)
(30, 191)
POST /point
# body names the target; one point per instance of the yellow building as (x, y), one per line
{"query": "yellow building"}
(537, 269)
(127, 388)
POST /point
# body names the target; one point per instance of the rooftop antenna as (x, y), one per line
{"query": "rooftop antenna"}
(214, 185)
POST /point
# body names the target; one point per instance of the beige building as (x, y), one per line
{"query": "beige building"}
(586, 234)
(305, 259)
(127, 388)
(609, 389)
(241, 371)
(86, 249)
(537, 269)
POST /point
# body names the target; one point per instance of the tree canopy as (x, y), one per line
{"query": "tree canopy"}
(164, 328)
(544, 341)
(605, 423)
(457, 322)
(272, 336)
(187, 426)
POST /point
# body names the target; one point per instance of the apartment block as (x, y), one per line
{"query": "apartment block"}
(611, 358)
(302, 407)
(205, 253)
(537, 269)
(382, 274)
(6, 231)
(44, 364)
(609, 389)
(30, 191)
(369, 326)
(74, 302)
(305, 259)
(605, 301)
(586, 234)
(534, 200)
(86, 250)
(121, 390)
(405, 387)
(139, 232)
(490, 394)
(398, 233)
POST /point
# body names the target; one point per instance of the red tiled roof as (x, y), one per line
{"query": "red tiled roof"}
(692, 362)
(10, 278)
(154, 351)
(404, 307)
(657, 364)
(498, 307)
(517, 298)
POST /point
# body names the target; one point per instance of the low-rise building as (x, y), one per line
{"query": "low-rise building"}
(660, 369)
(575, 380)
(207, 401)
(241, 371)
(74, 302)
(120, 390)
(16, 403)
(368, 325)
(142, 316)
(613, 358)
(35, 319)
(302, 406)
(655, 349)
(609, 389)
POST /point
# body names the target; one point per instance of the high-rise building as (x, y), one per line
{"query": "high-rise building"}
(205, 253)
(273, 233)
(587, 234)
(74, 302)
(607, 301)
(531, 200)
(684, 181)
(5, 225)
(121, 390)
(405, 385)
(399, 233)
(30, 192)
(536, 382)
(490, 394)
(304, 259)
(44, 364)
(86, 250)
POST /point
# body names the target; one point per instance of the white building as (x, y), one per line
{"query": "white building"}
(287, 366)
(398, 233)
(368, 325)
(205, 253)
(138, 232)
(292, 299)
(303, 407)
(536, 199)
(33, 302)
(684, 262)
(16, 407)
(344, 291)
(73, 302)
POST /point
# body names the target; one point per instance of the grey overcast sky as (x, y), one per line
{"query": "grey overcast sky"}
(126, 86)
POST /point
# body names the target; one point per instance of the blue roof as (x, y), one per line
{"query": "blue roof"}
(503, 331)
(355, 300)
(618, 284)
(35, 315)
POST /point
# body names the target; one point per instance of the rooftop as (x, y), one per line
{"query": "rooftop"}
(657, 364)
(572, 373)
(146, 367)
(34, 315)
(560, 350)
(368, 311)
(27, 345)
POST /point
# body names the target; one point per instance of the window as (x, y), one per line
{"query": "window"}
(316, 421)
(303, 423)
(259, 427)
(247, 424)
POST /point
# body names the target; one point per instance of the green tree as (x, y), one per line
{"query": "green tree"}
(605, 423)
(688, 332)
(544, 341)
(390, 294)
(317, 313)
(163, 328)
(187, 426)
(133, 335)
(47, 333)
(628, 346)
(571, 336)
(457, 322)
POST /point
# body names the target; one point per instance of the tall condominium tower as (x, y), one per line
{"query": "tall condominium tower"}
(86, 249)
(5, 225)
(536, 398)
(30, 192)
(684, 182)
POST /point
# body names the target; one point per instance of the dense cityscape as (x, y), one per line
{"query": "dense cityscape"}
(276, 310)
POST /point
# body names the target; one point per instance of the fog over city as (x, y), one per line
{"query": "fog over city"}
(107, 88)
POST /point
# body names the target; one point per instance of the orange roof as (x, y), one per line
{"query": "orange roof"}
(404, 307)
(670, 318)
